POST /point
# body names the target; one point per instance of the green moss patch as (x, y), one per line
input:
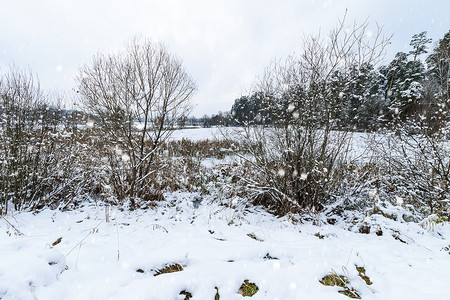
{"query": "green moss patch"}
(248, 289)
(333, 279)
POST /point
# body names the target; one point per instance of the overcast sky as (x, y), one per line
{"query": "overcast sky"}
(224, 44)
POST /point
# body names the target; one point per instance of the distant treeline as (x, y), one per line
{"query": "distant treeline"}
(412, 87)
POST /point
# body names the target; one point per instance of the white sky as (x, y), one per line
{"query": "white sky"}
(224, 44)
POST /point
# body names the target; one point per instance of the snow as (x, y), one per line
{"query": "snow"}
(212, 162)
(219, 246)
(220, 243)
(196, 134)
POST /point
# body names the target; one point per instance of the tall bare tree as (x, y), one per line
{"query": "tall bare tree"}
(136, 98)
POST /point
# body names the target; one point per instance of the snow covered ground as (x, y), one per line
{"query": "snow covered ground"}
(218, 246)
(78, 255)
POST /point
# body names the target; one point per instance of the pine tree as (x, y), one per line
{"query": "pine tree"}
(419, 43)
(438, 83)
(404, 85)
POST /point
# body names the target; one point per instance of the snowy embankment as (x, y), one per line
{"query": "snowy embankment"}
(218, 247)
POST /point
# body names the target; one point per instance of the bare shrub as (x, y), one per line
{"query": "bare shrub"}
(416, 170)
(38, 148)
(136, 98)
(414, 155)
(297, 161)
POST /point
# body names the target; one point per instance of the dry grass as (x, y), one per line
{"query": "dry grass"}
(362, 274)
(186, 295)
(253, 236)
(334, 279)
(204, 148)
(317, 234)
(169, 269)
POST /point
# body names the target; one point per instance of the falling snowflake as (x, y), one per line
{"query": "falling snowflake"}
(303, 176)
(291, 107)
(281, 172)
(373, 193)
(118, 151)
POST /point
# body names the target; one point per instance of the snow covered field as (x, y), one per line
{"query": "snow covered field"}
(196, 134)
(217, 246)
(358, 148)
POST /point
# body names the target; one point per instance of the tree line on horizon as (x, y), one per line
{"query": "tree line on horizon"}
(408, 88)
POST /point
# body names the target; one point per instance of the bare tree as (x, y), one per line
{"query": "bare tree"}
(136, 98)
(296, 163)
